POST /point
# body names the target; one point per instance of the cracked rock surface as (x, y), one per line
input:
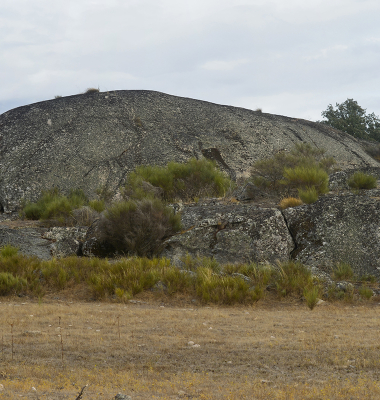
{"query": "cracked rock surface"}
(338, 228)
(231, 233)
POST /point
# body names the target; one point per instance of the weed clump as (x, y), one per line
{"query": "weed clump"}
(194, 179)
(311, 295)
(289, 202)
(292, 278)
(343, 271)
(360, 180)
(138, 227)
(308, 195)
(365, 293)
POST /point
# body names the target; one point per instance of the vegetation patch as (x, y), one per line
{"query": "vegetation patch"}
(303, 168)
(203, 279)
(360, 180)
(343, 271)
(176, 181)
(290, 202)
(138, 227)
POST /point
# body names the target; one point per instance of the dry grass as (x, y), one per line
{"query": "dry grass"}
(271, 350)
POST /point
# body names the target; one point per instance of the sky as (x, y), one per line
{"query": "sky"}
(292, 57)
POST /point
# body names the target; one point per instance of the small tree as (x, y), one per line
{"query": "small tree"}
(349, 117)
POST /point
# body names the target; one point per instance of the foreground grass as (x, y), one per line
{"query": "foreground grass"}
(272, 350)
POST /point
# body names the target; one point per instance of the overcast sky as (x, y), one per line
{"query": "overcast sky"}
(287, 57)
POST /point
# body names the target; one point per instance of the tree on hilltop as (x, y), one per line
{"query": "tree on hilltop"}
(351, 118)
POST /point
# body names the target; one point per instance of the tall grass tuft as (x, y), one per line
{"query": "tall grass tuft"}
(288, 202)
(343, 271)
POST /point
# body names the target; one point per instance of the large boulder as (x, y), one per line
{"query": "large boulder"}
(94, 140)
(231, 233)
(338, 228)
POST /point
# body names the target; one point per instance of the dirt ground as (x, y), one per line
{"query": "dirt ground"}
(172, 348)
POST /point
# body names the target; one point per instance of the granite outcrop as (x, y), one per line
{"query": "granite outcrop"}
(91, 141)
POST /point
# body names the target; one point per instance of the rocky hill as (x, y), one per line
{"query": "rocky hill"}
(94, 140)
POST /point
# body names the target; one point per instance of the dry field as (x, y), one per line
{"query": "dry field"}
(160, 348)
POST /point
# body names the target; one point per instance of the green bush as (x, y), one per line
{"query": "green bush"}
(368, 278)
(312, 295)
(304, 166)
(138, 227)
(8, 251)
(10, 284)
(293, 278)
(97, 205)
(343, 271)
(307, 178)
(360, 180)
(52, 205)
(196, 178)
(365, 292)
(308, 195)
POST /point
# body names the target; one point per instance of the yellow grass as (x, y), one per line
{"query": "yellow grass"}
(278, 350)
(289, 202)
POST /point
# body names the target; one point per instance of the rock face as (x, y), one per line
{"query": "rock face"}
(232, 233)
(342, 228)
(94, 140)
(28, 241)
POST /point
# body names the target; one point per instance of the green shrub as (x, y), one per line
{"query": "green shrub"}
(312, 295)
(138, 227)
(360, 180)
(342, 271)
(305, 167)
(308, 195)
(10, 284)
(52, 205)
(293, 278)
(8, 251)
(196, 178)
(307, 177)
(365, 292)
(368, 278)
(97, 205)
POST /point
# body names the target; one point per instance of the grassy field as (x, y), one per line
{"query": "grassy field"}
(157, 347)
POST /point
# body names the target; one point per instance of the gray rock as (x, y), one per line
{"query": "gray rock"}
(121, 396)
(231, 234)
(249, 191)
(345, 286)
(27, 240)
(342, 228)
(66, 241)
(94, 140)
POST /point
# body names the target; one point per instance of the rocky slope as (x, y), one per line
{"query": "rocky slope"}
(92, 140)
